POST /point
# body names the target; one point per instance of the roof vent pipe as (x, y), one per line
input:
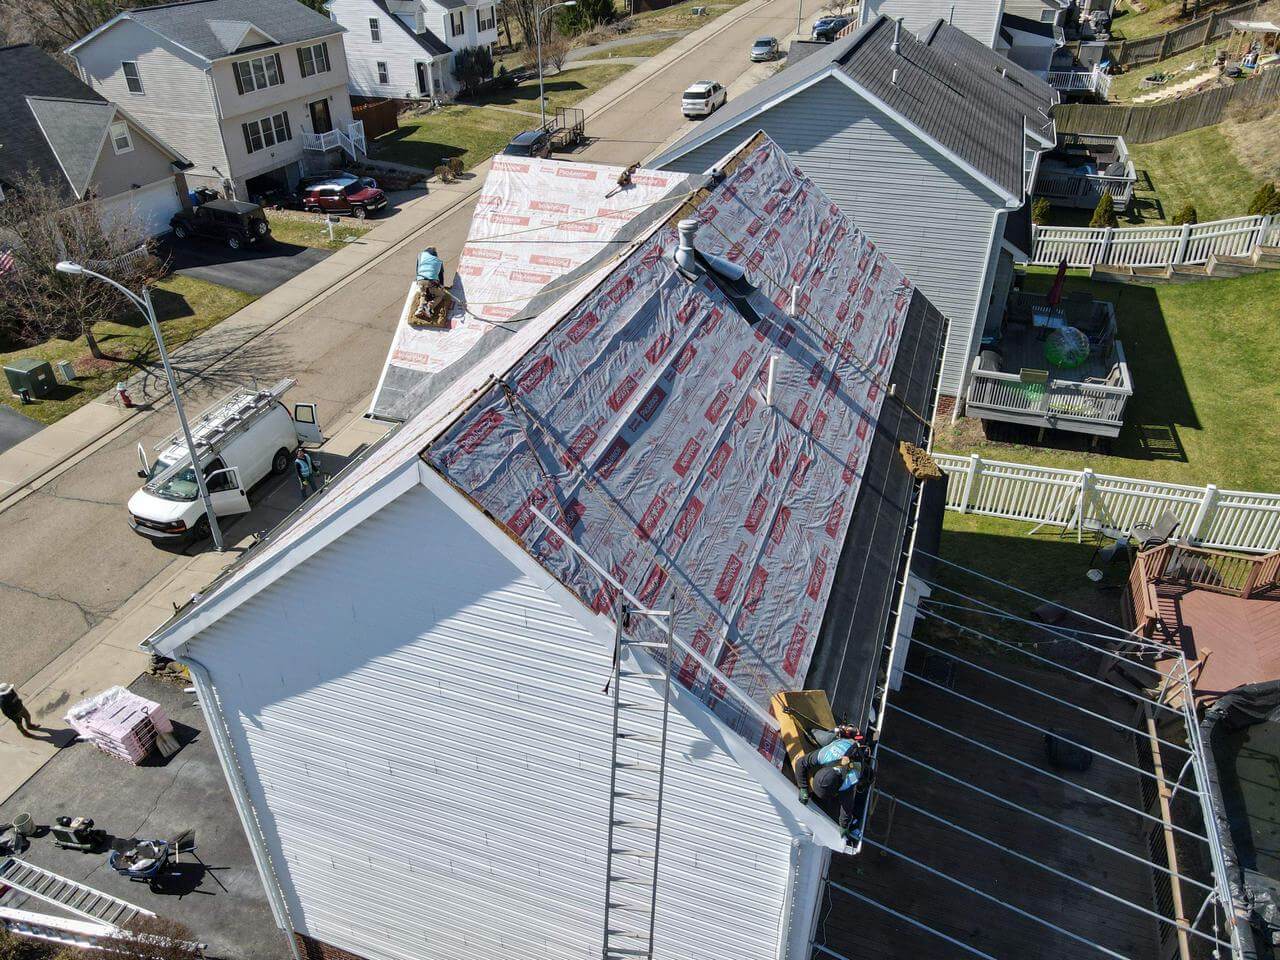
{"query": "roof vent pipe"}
(896, 46)
(894, 77)
(951, 17)
(686, 256)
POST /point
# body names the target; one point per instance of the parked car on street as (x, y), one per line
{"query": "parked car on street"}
(703, 99)
(766, 48)
(529, 143)
(826, 28)
(233, 222)
(333, 176)
(354, 197)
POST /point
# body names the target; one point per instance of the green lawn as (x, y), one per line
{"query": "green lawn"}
(1204, 410)
(681, 15)
(309, 230)
(645, 48)
(1201, 167)
(1128, 85)
(186, 308)
(573, 85)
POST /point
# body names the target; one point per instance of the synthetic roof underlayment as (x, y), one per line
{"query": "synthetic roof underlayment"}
(536, 222)
(640, 425)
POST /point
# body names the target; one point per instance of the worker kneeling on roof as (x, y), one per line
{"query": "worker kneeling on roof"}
(834, 771)
(433, 309)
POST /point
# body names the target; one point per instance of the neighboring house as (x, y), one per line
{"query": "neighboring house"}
(930, 148)
(980, 19)
(420, 654)
(404, 49)
(254, 92)
(1030, 43)
(55, 126)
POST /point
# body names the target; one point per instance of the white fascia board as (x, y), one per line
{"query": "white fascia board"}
(803, 821)
(1011, 201)
(168, 640)
(671, 153)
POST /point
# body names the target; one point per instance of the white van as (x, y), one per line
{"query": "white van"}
(241, 440)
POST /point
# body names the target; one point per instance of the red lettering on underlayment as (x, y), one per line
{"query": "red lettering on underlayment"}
(685, 358)
(728, 577)
(658, 349)
(542, 260)
(479, 431)
(755, 590)
(817, 575)
(834, 518)
(756, 512)
(612, 457)
(521, 520)
(687, 455)
(548, 206)
(718, 461)
(648, 591)
(649, 406)
(688, 518)
(574, 173)
(580, 328)
(620, 393)
(742, 365)
(651, 517)
(779, 459)
(579, 446)
(795, 647)
(532, 377)
(717, 406)
(780, 524)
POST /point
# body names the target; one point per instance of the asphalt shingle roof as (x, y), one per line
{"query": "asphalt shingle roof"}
(74, 130)
(188, 24)
(26, 72)
(427, 40)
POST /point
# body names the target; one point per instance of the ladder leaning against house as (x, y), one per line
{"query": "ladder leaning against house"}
(641, 689)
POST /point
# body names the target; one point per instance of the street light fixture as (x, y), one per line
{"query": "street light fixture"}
(537, 30)
(143, 303)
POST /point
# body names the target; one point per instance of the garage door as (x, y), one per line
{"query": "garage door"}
(152, 205)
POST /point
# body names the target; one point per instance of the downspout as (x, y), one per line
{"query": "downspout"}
(208, 699)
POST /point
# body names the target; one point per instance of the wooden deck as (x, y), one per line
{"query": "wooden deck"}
(854, 929)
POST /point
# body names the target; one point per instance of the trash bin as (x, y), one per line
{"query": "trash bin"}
(34, 376)
(24, 825)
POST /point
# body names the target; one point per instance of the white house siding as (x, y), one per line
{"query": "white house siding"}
(176, 103)
(933, 220)
(978, 18)
(399, 51)
(425, 739)
(1045, 11)
(143, 165)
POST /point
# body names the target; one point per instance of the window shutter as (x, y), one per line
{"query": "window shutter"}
(324, 51)
(288, 133)
(302, 66)
(248, 141)
(239, 79)
(279, 67)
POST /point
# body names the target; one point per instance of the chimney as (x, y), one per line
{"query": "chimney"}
(685, 256)
(896, 46)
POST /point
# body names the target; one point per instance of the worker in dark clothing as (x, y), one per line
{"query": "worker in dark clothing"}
(11, 706)
(835, 773)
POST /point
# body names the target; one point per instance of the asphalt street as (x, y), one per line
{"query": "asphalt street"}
(15, 427)
(255, 270)
(67, 556)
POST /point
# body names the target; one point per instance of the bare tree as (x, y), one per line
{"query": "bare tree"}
(40, 226)
(555, 48)
(158, 938)
(524, 12)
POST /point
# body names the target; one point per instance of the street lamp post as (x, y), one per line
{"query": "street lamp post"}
(537, 31)
(143, 303)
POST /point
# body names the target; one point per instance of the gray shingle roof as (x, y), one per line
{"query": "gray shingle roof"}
(26, 72)
(427, 40)
(74, 130)
(188, 23)
(944, 89)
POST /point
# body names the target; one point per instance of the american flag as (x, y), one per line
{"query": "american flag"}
(6, 261)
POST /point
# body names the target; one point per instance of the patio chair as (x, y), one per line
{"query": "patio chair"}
(1148, 535)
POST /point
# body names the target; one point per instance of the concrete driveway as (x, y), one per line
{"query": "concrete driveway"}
(256, 271)
(14, 427)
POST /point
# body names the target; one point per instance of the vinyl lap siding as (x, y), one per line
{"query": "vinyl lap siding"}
(978, 18)
(398, 50)
(933, 220)
(363, 692)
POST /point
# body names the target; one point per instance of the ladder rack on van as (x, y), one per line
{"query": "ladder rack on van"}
(229, 415)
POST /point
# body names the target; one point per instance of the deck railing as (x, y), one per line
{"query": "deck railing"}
(1095, 81)
(1060, 400)
(351, 140)
(1193, 568)
(1153, 246)
(1071, 189)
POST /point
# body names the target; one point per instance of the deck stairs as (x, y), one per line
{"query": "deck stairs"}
(641, 689)
(1263, 259)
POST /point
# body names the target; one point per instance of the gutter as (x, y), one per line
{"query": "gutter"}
(208, 699)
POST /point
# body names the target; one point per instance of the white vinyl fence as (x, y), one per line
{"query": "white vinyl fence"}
(1082, 500)
(1153, 246)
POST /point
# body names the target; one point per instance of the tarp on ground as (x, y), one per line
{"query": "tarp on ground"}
(640, 425)
(536, 223)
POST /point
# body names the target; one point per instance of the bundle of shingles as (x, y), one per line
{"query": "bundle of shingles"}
(121, 723)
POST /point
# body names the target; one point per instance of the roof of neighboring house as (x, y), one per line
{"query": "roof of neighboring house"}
(427, 40)
(976, 120)
(633, 412)
(451, 4)
(214, 29)
(74, 130)
(1011, 21)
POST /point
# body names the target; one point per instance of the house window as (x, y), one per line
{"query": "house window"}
(457, 23)
(267, 132)
(259, 73)
(484, 19)
(384, 75)
(120, 138)
(313, 59)
(132, 79)
(375, 30)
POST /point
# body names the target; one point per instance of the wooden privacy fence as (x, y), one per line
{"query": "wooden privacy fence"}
(1156, 121)
(1197, 33)
(379, 117)
(1153, 246)
(1082, 500)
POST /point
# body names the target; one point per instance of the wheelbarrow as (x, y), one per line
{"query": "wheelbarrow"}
(145, 860)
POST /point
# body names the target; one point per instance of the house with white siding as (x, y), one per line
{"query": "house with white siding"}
(405, 49)
(506, 685)
(62, 131)
(928, 143)
(253, 92)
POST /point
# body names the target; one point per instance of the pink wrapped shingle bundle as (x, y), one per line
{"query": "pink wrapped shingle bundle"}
(120, 723)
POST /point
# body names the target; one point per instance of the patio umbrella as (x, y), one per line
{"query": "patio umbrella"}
(1055, 292)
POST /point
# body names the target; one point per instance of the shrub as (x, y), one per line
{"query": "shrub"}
(1104, 214)
(585, 15)
(1185, 214)
(1266, 202)
(472, 66)
(1040, 211)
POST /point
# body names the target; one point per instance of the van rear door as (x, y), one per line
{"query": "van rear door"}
(306, 424)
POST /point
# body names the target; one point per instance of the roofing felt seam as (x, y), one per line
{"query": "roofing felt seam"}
(648, 439)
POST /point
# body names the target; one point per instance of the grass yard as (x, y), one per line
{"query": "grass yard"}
(645, 48)
(186, 308)
(572, 85)
(681, 15)
(1203, 167)
(1128, 85)
(309, 230)
(1206, 407)
(1161, 16)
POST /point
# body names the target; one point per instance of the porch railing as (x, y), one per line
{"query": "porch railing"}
(1196, 568)
(1094, 81)
(1061, 400)
(352, 140)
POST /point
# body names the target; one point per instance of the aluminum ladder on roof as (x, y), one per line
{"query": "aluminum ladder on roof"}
(69, 895)
(637, 771)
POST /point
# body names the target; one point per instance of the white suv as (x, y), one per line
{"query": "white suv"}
(702, 99)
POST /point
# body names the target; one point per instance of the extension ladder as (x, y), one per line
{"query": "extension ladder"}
(69, 895)
(641, 686)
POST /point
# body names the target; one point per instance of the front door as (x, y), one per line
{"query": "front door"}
(321, 122)
(423, 86)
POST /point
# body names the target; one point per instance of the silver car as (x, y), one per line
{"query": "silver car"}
(766, 48)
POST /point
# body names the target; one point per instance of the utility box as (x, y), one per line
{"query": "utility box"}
(34, 376)
(67, 370)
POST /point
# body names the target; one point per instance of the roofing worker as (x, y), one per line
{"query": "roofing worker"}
(11, 706)
(435, 298)
(834, 772)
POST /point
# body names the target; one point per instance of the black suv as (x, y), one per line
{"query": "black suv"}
(826, 28)
(234, 222)
(530, 143)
